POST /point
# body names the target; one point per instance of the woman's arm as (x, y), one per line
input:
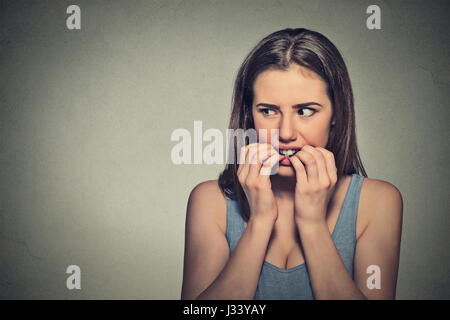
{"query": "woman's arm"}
(209, 271)
(379, 245)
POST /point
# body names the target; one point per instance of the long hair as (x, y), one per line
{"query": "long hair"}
(278, 51)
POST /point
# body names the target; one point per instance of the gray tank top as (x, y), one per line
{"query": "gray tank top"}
(294, 283)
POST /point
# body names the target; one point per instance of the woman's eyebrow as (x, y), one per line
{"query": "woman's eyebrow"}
(300, 105)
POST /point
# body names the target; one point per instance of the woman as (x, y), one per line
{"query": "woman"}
(316, 229)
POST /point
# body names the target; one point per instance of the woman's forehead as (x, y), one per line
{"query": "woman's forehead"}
(298, 84)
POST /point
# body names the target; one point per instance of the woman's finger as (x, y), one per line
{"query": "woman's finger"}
(330, 164)
(269, 164)
(260, 153)
(300, 171)
(244, 166)
(310, 164)
(323, 178)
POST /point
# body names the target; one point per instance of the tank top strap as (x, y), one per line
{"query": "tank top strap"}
(345, 229)
(235, 224)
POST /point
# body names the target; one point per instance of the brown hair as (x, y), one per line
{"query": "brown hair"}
(278, 51)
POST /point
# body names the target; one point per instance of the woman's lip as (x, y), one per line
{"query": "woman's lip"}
(285, 161)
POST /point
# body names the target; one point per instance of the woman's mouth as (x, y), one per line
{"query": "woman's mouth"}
(288, 152)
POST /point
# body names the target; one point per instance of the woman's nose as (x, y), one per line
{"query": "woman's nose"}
(287, 129)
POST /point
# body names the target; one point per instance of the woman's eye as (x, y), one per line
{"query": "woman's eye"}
(267, 112)
(307, 112)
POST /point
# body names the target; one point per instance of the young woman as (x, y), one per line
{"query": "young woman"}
(316, 229)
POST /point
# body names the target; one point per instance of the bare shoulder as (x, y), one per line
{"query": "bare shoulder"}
(208, 202)
(380, 201)
(378, 193)
(206, 249)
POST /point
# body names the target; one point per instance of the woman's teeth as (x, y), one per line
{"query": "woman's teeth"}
(288, 152)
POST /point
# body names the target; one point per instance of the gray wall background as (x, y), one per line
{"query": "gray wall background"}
(86, 118)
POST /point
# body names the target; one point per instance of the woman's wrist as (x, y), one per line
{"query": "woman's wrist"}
(261, 223)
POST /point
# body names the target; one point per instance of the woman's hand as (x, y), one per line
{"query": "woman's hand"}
(256, 163)
(315, 183)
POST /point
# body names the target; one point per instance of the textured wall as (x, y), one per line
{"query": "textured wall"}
(86, 117)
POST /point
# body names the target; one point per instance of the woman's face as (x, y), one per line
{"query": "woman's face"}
(295, 102)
